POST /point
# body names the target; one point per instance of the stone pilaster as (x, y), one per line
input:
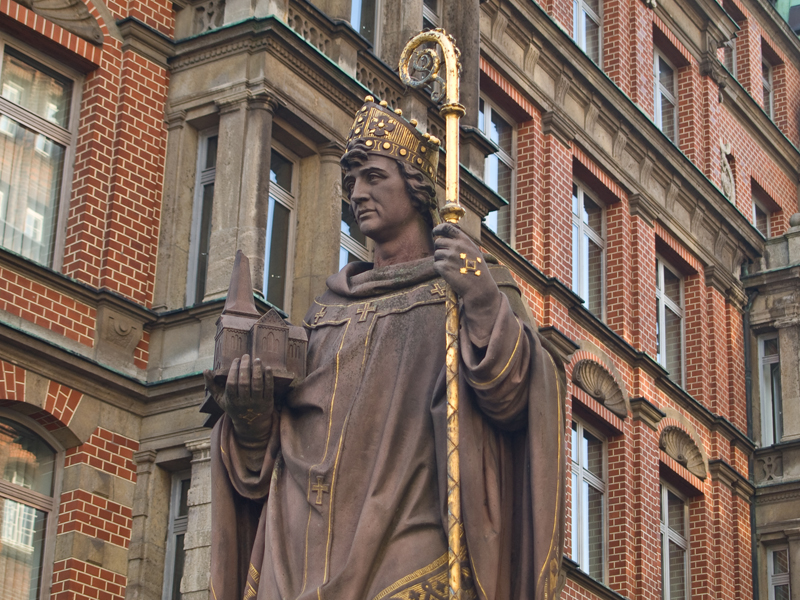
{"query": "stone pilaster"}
(197, 542)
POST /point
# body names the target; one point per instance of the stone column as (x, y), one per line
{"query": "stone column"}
(173, 247)
(241, 193)
(399, 23)
(254, 199)
(197, 541)
(319, 216)
(150, 521)
(227, 188)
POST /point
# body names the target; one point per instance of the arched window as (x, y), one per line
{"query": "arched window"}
(28, 482)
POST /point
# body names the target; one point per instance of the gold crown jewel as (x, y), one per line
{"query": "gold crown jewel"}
(387, 132)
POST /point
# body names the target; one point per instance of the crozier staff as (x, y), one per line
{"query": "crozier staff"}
(340, 492)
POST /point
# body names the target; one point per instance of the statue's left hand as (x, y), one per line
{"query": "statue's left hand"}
(454, 251)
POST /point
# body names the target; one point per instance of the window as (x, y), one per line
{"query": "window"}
(37, 117)
(364, 19)
(500, 167)
(729, 56)
(674, 546)
(669, 324)
(588, 249)
(766, 85)
(588, 501)
(353, 243)
(430, 14)
(666, 105)
(175, 554)
(201, 217)
(778, 573)
(279, 229)
(770, 388)
(586, 29)
(28, 486)
(761, 218)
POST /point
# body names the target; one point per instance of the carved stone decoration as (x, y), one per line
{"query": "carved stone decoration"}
(596, 381)
(72, 15)
(679, 445)
(377, 86)
(771, 467)
(209, 15)
(726, 173)
(312, 34)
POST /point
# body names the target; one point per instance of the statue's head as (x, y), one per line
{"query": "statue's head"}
(379, 131)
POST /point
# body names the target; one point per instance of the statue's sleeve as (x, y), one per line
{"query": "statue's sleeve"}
(238, 497)
(497, 365)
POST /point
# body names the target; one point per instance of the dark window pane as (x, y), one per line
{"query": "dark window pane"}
(676, 514)
(21, 546)
(177, 572)
(183, 502)
(204, 242)
(595, 277)
(501, 132)
(771, 347)
(35, 87)
(277, 246)
(777, 402)
(666, 77)
(595, 526)
(576, 259)
(280, 171)
(761, 219)
(28, 461)
(780, 562)
(677, 572)
(782, 592)
(592, 215)
(674, 351)
(672, 286)
(668, 118)
(593, 454)
(363, 18)
(211, 152)
(592, 33)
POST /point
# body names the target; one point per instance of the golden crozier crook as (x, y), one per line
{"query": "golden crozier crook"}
(425, 61)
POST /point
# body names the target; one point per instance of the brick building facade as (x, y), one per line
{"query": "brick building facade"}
(634, 163)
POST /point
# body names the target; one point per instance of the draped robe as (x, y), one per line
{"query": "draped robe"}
(350, 500)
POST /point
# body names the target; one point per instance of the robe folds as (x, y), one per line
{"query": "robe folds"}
(350, 500)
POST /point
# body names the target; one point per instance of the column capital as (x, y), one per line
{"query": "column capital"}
(175, 119)
(331, 151)
(200, 449)
(231, 103)
(262, 101)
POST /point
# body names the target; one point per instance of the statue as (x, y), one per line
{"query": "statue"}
(337, 486)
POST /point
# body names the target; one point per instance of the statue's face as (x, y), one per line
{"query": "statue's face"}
(379, 199)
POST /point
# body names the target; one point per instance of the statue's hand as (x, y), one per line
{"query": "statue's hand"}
(479, 293)
(247, 398)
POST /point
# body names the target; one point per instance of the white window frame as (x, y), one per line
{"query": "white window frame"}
(429, 15)
(659, 90)
(580, 546)
(668, 535)
(774, 580)
(757, 204)
(769, 421)
(48, 504)
(287, 198)
(767, 84)
(177, 525)
(355, 20)
(663, 303)
(600, 240)
(509, 160)
(66, 137)
(203, 177)
(579, 30)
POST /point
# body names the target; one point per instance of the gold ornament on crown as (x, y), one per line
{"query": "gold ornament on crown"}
(386, 132)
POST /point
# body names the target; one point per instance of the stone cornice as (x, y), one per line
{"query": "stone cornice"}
(560, 341)
(646, 412)
(731, 478)
(779, 30)
(145, 41)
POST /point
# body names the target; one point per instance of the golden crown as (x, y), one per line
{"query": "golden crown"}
(386, 132)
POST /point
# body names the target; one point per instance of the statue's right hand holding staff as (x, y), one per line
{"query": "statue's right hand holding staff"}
(247, 398)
